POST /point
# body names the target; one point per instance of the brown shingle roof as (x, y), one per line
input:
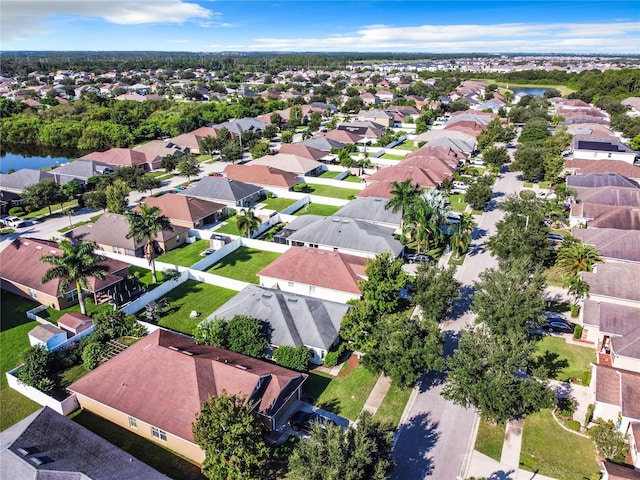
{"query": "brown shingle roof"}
(611, 242)
(164, 378)
(302, 151)
(21, 264)
(261, 175)
(118, 156)
(183, 207)
(287, 162)
(322, 268)
(615, 196)
(75, 322)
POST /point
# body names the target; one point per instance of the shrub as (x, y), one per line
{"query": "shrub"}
(577, 332)
(566, 407)
(575, 310)
(572, 425)
(586, 378)
(332, 357)
(293, 357)
(36, 368)
(92, 354)
(589, 415)
(610, 442)
(16, 211)
(170, 274)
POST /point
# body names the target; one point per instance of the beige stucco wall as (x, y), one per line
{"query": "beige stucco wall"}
(55, 302)
(174, 443)
(305, 289)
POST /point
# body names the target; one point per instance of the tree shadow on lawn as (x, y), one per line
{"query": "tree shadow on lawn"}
(550, 363)
(416, 439)
(239, 255)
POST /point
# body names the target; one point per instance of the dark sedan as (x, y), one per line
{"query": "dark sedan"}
(559, 325)
(304, 421)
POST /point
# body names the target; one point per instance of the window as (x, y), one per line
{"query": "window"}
(133, 423)
(161, 434)
(71, 295)
(116, 250)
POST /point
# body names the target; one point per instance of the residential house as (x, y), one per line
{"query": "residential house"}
(380, 117)
(191, 140)
(595, 215)
(616, 395)
(155, 150)
(241, 125)
(367, 131)
(342, 136)
(340, 234)
(226, 191)
(79, 171)
(306, 151)
(585, 167)
(22, 272)
(606, 179)
(47, 335)
(609, 195)
(17, 181)
(633, 104)
(49, 445)
(371, 209)
(110, 233)
(156, 387)
(611, 243)
(324, 144)
(293, 320)
(594, 130)
(262, 175)
(604, 283)
(290, 163)
(123, 157)
(188, 212)
(601, 149)
(315, 272)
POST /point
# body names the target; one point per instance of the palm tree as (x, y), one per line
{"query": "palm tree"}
(145, 225)
(402, 196)
(77, 263)
(575, 257)
(576, 287)
(247, 221)
(461, 238)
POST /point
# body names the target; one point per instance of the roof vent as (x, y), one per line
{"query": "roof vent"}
(53, 251)
(38, 247)
(266, 295)
(175, 349)
(187, 353)
(241, 367)
(293, 299)
(24, 451)
(336, 220)
(345, 221)
(40, 460)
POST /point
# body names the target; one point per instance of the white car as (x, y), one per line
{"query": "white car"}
(14, 222)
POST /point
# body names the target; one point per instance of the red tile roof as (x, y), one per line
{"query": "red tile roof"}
(118, 156)
(164, 378)
(322, 268)
(75, 322)
(302, 151)
(380, 189)
(342, 136)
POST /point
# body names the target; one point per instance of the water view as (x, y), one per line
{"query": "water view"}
(535, 92)
(15, 160)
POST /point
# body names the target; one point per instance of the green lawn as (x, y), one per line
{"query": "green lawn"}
(230, 228)
(189, 296)
(65, 378)
(317, 209)
(243, 264)
(554, 277)
(393, 405)
(352, 179)
(390, 156)
(458, 203)
(490, 439)
(144, 275)
(78, 224)
(144, 450)
(53, 315)
(557, 352)
(330, 191)
(550, 450)
(185, 255)
(407, 145)
(278, 204)
(14, 327)
(45, 211)
(329, 174)
(346, 396)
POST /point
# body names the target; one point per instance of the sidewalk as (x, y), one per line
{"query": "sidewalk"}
(377, 394)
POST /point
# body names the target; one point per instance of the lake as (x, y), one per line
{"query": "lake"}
(535, 92)
(23, 157)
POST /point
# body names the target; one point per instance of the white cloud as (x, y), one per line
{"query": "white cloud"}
(621, 37)
(26, 18)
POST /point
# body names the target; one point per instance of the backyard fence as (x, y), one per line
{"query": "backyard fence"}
(63, 407)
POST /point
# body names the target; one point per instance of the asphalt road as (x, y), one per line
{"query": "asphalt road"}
(436, 437)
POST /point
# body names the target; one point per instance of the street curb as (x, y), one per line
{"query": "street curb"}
(405, 414)
(466, 463)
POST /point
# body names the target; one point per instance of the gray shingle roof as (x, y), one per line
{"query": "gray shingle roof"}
(67, 451)
(347, 233)
(295, 319)
(370, 209)
(592, 180)
(323, 143)
(80, 169)
(224, 189)
(18, 181)
(611, 242)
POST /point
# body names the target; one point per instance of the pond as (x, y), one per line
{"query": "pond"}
(16, 158)
(535, 92)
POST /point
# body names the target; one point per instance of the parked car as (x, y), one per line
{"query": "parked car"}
(477, 161)
(305, 420)
(555, 238)
(13, 222)
(417, 257)
(556, 324)
(208, 251)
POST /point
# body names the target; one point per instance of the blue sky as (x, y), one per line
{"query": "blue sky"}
(574, 26)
